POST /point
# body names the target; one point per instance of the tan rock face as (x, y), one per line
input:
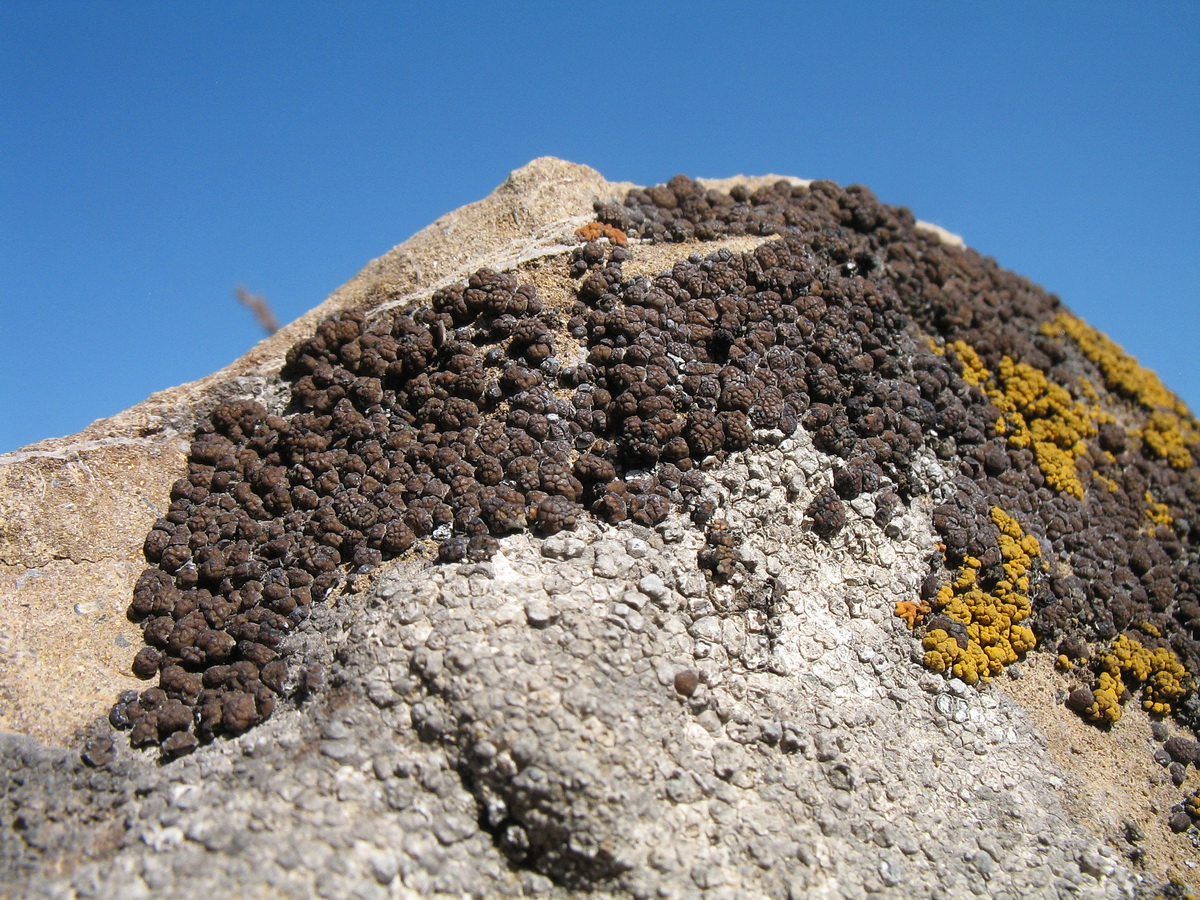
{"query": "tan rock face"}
(70, 551)
(74, 511)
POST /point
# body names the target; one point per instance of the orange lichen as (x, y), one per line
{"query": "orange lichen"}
(910, 611)
(594, 230)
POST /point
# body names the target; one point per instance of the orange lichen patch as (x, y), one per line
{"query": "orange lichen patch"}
(1170, 427)
(991, 616)
(934, 346)
(594, 230)
(910, 611)
(1162, 677)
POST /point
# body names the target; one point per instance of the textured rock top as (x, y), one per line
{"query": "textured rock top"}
(684, 540)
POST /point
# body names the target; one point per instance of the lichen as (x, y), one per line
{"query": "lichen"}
(1164, 436)
(1158, 513)
(1042, 415)
(1170, 427)
(994, 637)
(973, 369)
(1036, 413)
(1122, 373)
(1163, 680)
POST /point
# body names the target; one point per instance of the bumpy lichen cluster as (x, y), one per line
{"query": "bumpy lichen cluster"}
(1122, 373)
(1040, 414)
(1158, 672)
(991, 615)
(1170, 428)
(1036, 413)
(1158, 513)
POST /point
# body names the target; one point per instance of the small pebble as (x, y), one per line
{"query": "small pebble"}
(686, 682)
(538, 612)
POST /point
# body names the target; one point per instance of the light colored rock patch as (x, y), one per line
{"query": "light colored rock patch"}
(1112, 776)
(532, 726)
(811, 753)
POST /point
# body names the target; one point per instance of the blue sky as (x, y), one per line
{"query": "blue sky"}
(153, 156)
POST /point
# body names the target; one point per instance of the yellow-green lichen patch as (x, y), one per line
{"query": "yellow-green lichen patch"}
(1163, 680)
(991, 615)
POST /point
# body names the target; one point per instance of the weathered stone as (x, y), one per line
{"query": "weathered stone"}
(587, 713)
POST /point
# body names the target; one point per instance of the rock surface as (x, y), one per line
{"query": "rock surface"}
(585, 711)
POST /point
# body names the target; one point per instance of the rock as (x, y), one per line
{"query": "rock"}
(660, 604)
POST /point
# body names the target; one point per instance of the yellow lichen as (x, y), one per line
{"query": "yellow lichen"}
(1111, 486)
(1170, 426)
(1158, 513)
(1040, 414)
(1106, 703)
(1121, 372)
(1163, 436)
(934, 346)
(1036, 413)
(974, 371)
(1161, 675)
(991, 617)
(1088, 390)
